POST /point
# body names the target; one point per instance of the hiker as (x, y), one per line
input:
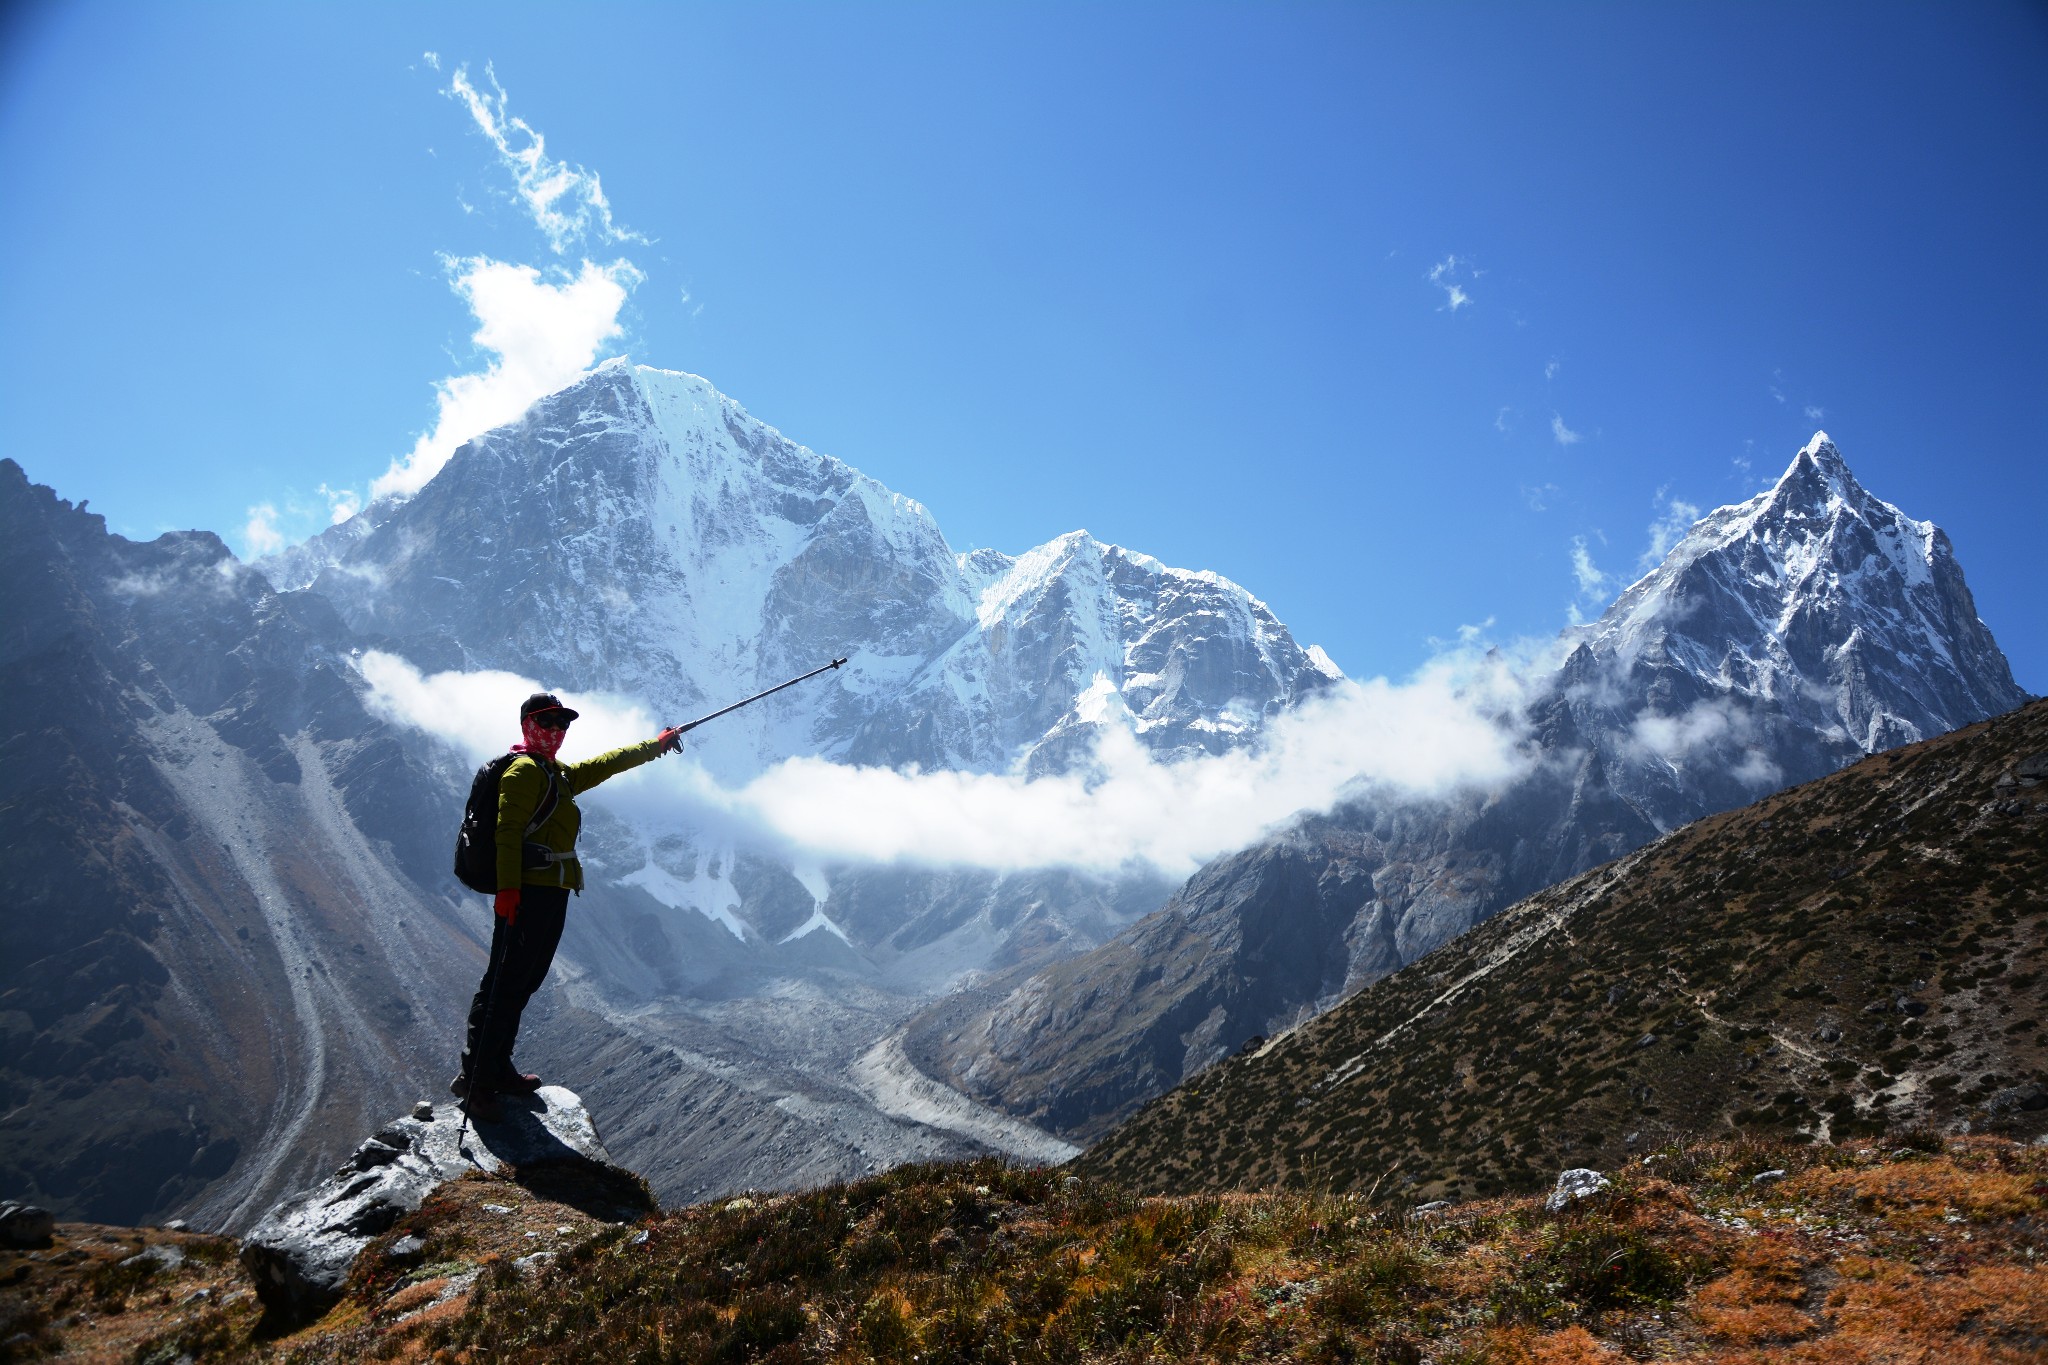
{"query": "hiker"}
(537, 821)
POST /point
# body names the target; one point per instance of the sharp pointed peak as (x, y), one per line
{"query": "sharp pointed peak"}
(1818, 470)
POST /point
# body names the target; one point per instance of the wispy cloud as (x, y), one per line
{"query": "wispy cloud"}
(432, 59)
(566, 201)
(1540, 495)
(261, 534)
(1550, 370)
(1450, 728)
(538, 330)
(1564, 434)
(1675, 517)
(1594, 584)
(342, 503)
(1450, 275)
(540, 333)
(1815, 413)
(1500, 419)
(1717, 733)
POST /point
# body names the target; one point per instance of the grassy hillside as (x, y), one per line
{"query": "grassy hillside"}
(1850, 955)
(1724, 1252)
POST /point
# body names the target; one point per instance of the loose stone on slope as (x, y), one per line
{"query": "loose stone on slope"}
(1573, 1185)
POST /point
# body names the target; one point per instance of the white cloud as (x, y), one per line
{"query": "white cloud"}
(1564, 434)
(1538, 496)
(260, 534)
(342, 503)
(1815, 413)
(1595, 585)
(1550, 370)
(432, 59)
(1500, 419)
(566, 201)
(1445, 730)
(1717, 730)
(541, 334)
(1666, 531)
(1445, 275)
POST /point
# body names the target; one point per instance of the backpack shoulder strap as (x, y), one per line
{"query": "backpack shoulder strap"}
(548, 802)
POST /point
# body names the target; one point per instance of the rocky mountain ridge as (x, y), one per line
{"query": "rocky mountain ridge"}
(1860, 953)
(212, 958)
(1776, 640)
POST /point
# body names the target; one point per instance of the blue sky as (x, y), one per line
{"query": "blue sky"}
(1379, 310)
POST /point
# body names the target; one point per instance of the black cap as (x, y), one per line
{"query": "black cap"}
(544, 701)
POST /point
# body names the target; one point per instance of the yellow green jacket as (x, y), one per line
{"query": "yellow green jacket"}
(520, 793)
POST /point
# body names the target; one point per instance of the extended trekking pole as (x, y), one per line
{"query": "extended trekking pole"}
(723, 710)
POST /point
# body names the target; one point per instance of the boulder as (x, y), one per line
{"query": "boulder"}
(25, 1225)
(300, 1253)
(1574, 1185)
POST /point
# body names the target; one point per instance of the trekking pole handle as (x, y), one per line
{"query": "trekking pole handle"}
(723, 710)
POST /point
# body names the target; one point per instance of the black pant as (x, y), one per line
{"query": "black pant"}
(521, 954)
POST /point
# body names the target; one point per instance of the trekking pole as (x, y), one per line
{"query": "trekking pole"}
(723, 710)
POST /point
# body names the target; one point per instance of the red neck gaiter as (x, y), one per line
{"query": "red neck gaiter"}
(540, 740)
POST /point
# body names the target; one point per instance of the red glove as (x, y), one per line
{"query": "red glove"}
(506, 906)
(671, 740)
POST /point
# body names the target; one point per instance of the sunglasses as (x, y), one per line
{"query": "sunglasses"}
(550, 720)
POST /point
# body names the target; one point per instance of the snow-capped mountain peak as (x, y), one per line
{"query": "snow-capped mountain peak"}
(1813, 595)
(681, 551)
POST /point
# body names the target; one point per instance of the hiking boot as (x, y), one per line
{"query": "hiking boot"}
(483, 1106)
(512, 1082)
(459, 1087)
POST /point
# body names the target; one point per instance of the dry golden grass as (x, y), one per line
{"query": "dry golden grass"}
(1854, 1257)
(1904, 1192)
(1760, 1300)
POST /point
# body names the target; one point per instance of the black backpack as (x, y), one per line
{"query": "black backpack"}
(476, 847)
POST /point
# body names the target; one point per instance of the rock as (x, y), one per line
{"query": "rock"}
(1767, 1177)
(2033, 768)
(2018, 1097)
(534, 1264)
(25, 1225)
(1828, 1033)
(1647, 1040)
(1433, 1205)
(406, 1248)
(177, 1225)
(300, 1253)
(162, 1256)
(1910, 1007)
(1574, 1185)
(423, 1111)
